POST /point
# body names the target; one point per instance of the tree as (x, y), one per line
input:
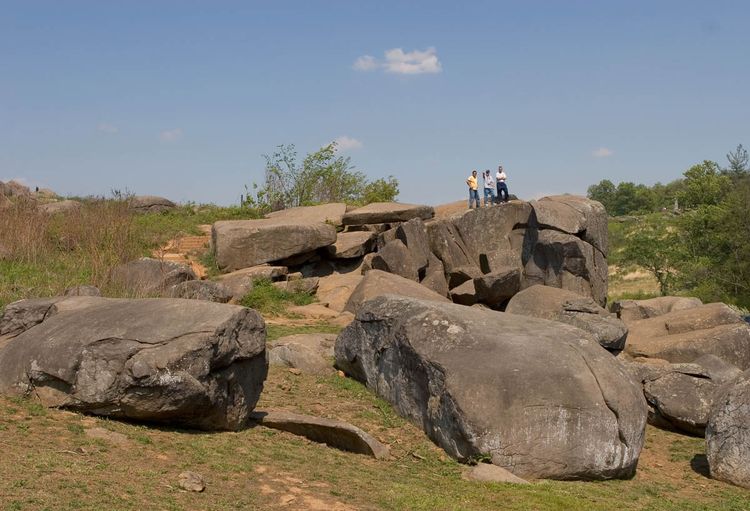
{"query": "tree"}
(655, 246)
(739, 163)
(603, 192)
(704, 185)
(324, 176)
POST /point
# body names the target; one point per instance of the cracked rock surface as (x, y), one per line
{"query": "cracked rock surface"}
(186, 362)
(728, 434)
(541, 398)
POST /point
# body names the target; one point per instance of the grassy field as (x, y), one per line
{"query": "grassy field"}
(42, 255)
(58, 460)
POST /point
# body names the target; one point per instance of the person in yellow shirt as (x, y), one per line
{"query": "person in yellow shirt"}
(473, 192)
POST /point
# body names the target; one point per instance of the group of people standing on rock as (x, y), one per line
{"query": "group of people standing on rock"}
(490, 184)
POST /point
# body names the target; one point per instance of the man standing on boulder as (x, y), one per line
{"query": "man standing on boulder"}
(473, 192)
(489, 188)
(502, 188)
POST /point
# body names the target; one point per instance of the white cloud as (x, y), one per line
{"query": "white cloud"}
(171, 135)
(365, 63)
(344, 143)
(412, 63)
(107, 128)
(602, 152)
(400, 62)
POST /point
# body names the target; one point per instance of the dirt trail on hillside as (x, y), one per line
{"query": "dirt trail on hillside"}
(187, 250)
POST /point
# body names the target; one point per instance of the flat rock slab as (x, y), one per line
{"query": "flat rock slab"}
(684, 335)
(634, 310)
(387, 212)
(325, 213)
(487, 473)
(245, 243)
(106, 435)
(334, 433)
(182, 362)
(376, 283)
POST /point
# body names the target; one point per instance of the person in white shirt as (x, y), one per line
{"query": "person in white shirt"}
(502, 188)
(489, 188)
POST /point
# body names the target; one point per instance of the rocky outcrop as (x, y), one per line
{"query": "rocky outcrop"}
(395, 258)
(244, 243)
(184, 362)
(387, 212)
(150, 204)
(728, 434)
(567, 307)
(482, 382)
(150, 277)
(634, 310)
(377, 283)
(684, 335)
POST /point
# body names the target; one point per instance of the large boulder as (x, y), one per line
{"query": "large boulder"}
(150, 204)
(334, 291)
(567, 307)
(634, 310)
(540, 398)
(395, 258)
(574, 215)
(413, 235)
(244, 243)
(684, 335)
(496, 288)
(147, 276)
(728, 434)
(184, 362)
(387, 212)
(350, 245)
(324, 213)
(310, 353)
(377, 283)
(557, 259)
(434, 277)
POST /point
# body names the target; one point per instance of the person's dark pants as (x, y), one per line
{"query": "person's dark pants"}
(502, 192)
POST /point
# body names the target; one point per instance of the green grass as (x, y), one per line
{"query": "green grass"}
(268, 299)
(274, 332)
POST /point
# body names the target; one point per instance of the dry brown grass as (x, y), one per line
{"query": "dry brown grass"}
(43, 254)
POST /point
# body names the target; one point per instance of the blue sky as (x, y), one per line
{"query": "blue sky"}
(182, 98)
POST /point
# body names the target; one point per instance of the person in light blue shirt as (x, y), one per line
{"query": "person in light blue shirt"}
(489, 188)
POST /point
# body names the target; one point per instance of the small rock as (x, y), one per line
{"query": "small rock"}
(191, 481)
(294, 370)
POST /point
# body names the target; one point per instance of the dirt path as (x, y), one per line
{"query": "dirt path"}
(187, 250)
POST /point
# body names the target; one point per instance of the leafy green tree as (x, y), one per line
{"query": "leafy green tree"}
(604, 192)
(323, 176)
(380, 190)
(704, 184)
(655, 246)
